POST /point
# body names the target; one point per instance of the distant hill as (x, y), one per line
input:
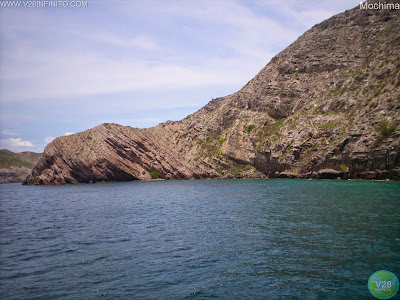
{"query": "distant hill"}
(14, 167)
(327, 106)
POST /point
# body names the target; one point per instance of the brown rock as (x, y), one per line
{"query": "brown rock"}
(315, 106)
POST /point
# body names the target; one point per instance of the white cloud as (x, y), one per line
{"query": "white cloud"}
(90, 75)
(18, 142)
(251, 38)
(48, 139)
(68, 133)
(15, 143)
(140, 41)
(8, 132)
(62, 73)
(19, 145)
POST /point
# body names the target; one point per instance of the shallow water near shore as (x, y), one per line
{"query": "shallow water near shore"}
(198, 239)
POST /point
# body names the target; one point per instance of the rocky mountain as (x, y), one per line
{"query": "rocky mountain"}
(326, 107)
(15, 167)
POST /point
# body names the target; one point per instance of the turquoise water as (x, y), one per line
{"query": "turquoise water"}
(230, 239)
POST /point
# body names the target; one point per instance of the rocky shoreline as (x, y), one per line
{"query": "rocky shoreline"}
(327, 106)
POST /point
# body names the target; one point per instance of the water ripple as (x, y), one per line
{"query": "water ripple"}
(197, 239)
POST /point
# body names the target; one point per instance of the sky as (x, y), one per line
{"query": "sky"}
(137, 63)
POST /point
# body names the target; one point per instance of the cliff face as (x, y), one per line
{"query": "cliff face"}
(327, 106)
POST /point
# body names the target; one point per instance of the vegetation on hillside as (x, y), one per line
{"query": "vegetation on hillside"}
(10, 159)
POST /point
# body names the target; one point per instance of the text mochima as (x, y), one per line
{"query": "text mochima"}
(379, 5)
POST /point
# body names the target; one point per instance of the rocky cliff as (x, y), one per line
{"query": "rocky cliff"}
(327, 106)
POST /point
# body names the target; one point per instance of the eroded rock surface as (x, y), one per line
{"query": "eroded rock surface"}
(327, 106)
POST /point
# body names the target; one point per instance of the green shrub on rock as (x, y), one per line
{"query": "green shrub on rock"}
(385, 128)
(154, 175)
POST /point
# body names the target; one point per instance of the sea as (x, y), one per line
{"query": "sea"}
(200, 239)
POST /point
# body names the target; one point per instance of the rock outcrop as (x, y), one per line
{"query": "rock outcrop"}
(326, 107)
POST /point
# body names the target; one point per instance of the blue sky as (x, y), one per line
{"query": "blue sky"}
(136, 63)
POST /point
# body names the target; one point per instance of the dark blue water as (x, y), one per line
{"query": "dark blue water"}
(198, 239)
